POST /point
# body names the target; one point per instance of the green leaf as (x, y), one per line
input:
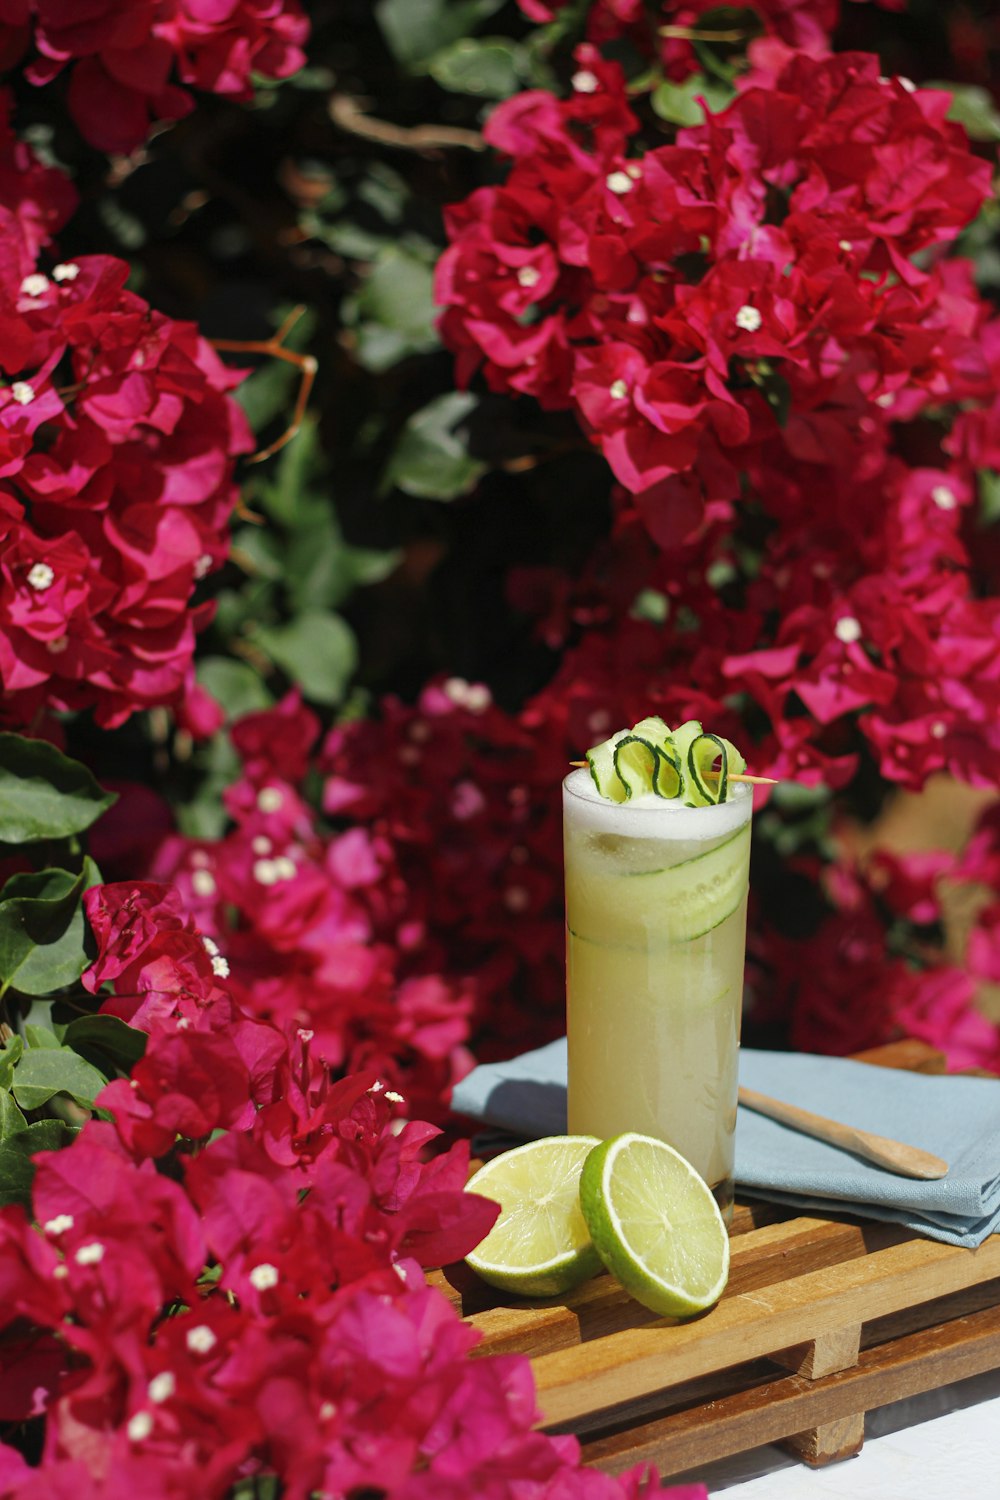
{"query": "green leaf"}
(393, 312)
(431, 460)
(41, 1036)
(323, 570)
(42, 1073)
(16, 1167)
(317, 650)
(11, 1118)
(44, 794)
(678, 102)
(233, 684)
(124, 1044)
(491, 68)
(284, 498)
(10, 1056)
(36, 914)
(972, 107)
(416, 29)
(989, 497)
(16, 1173)
(43, 934)
(257, 552)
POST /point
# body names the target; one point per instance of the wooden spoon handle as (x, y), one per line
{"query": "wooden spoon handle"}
(907, 1161)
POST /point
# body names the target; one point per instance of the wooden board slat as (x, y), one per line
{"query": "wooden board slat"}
(634, 1362)
(769, 1411)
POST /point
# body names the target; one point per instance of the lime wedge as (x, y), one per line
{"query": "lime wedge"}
(655, 1224)
(539, 1246)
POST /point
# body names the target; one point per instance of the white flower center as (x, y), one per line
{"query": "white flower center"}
(203, 883)
(41, 577)
(846, 246)
(162, 1387)
(618, 182)
(203, 565)
(269, 799)
(529, 276)
(59, 1224)
(264, 1277)
(943, 497)
(68, 270)
(22, 392)
(220, 966)
(201, 1340)
(475, 696)
(393, 1097)
(585, 82)
(939, 729)
(35, 286)
(140, 1426)
(90, 1255)
(57, 645)
(748, 318)
(619, 390)
(847, 629)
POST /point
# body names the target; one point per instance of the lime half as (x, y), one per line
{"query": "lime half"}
(655, 1224)
(539, 1246)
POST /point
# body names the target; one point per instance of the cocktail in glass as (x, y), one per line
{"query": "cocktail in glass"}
(656, 897)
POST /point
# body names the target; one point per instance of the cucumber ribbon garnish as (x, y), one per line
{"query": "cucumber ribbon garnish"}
(686, 764)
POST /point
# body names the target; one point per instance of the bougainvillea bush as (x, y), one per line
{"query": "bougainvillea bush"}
(395, 400)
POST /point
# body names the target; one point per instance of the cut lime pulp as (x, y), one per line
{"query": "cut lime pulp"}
(539, 1246)
(655, 1224)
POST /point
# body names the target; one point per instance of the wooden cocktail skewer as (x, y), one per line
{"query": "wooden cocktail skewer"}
(733, 776)
(907, 1161)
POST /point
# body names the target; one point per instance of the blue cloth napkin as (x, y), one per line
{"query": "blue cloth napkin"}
(955, 1118)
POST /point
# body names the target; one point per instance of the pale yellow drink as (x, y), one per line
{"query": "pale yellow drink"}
(656, 899)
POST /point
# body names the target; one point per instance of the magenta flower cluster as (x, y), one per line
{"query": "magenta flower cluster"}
(132, 62)
(225, 1278)
(118, 439)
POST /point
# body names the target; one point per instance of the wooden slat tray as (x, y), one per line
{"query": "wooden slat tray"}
(824, 1318)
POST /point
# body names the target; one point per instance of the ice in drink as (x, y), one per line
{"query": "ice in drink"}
(656, 896)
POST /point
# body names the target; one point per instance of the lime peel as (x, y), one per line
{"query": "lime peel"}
(655, 1224)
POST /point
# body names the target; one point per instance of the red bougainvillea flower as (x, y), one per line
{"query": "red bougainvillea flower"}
(124, 55)
(753, 284)
(852, 994)
(257, 1307)
(110, 516)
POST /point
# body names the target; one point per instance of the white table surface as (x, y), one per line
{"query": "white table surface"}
(944, 1445)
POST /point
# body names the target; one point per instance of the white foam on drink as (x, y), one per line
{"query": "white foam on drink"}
(649, 816)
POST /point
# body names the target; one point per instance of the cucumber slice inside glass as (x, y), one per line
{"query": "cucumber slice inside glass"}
(673, 905)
